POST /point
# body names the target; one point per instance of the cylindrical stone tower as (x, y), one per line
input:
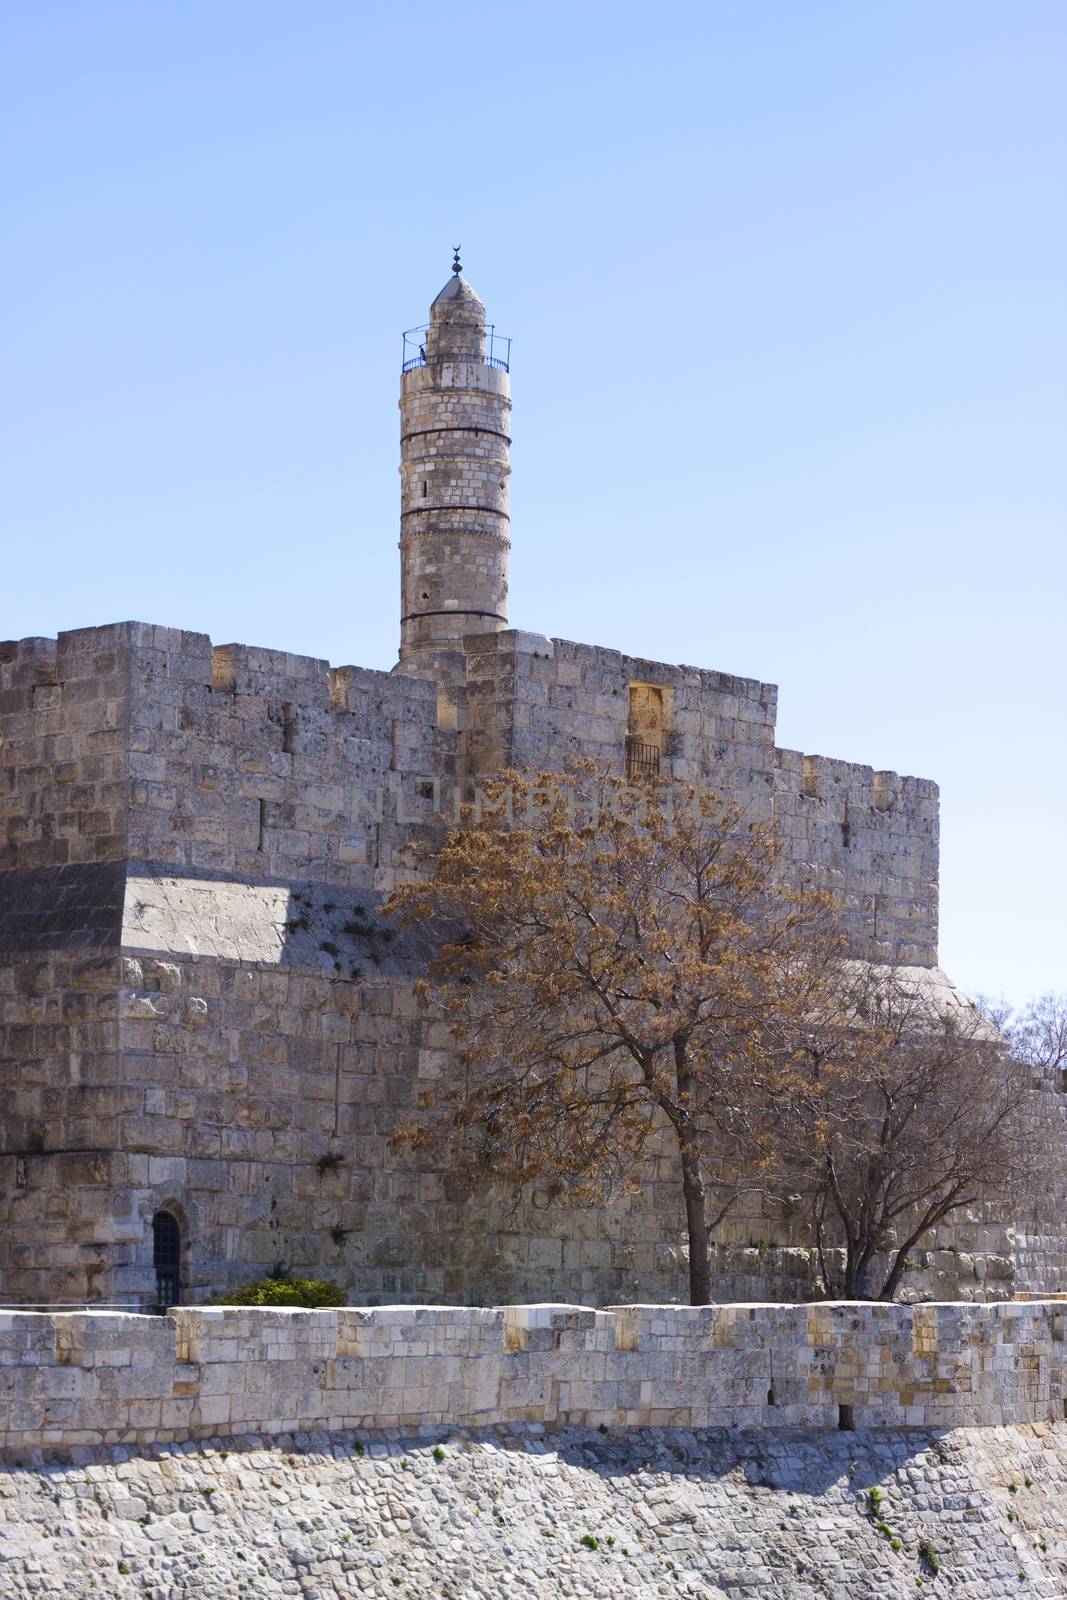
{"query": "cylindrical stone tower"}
(454, 411)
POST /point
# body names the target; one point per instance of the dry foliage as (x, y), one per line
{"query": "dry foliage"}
(613, 977)
(895, 1114)
(608, 974)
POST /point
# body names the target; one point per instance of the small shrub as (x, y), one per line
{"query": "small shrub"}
(359, 1448)
(281, 1290)
(590, 1541)
(895, 1544)
(329, 948)
(122, 1567)
(874, 1501)
(438, 1453)
(207, 1492)
(929, 1555)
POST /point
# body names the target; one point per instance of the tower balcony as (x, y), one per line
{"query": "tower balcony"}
(497, 351)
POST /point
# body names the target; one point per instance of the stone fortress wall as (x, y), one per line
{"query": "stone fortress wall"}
(196, 1014)
(95, 1378)
(200, 1011)
(140, 742)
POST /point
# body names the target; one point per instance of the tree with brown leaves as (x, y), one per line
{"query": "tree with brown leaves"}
(901, 1107)
(618, 965)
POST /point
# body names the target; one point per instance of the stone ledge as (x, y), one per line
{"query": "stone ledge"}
(103, 1378)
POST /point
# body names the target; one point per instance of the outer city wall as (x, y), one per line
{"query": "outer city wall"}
(96, 1377)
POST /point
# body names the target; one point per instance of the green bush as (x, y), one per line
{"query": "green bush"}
(284, 1291)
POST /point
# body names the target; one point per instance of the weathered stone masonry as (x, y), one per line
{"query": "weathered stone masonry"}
(96, 1377)
(199, 1012)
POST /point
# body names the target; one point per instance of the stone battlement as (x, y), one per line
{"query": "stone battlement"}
(146, 743)
(199, 1013)
(84, 1378)
(206, 1026)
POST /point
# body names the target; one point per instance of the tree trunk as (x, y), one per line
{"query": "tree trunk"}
(696, 1222)
(857, 1271)
(696, 1213)
(892, 1282)
(900, 1260)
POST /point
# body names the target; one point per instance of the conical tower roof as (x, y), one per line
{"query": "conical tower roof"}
(457, 299)
(457, 288)
(457, 321)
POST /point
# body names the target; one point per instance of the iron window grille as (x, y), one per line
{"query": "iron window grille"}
(167, 1259)
(642, 760)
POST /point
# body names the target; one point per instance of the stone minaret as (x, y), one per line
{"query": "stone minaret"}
(454, 411)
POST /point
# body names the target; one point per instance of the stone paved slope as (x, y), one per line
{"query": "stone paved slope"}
(761, 1516)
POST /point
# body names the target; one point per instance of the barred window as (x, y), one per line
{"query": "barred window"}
(167, 1259)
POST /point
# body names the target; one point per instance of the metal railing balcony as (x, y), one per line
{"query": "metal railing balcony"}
(497, 351)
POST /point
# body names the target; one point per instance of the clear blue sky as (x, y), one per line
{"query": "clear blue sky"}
(786, 283)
